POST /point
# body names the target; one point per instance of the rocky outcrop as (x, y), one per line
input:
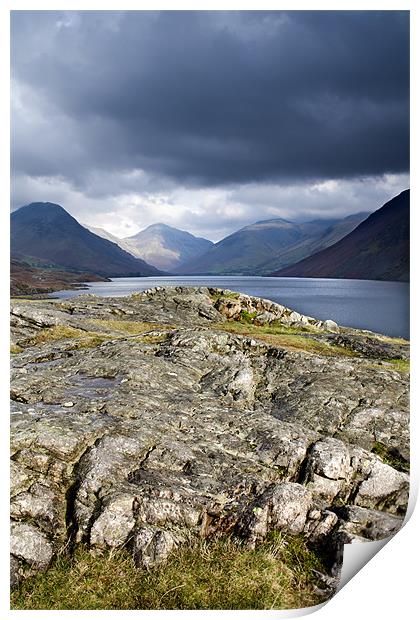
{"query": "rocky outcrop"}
(265, 312)
(150, 439)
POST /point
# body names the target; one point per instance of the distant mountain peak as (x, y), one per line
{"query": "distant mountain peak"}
(166, 246)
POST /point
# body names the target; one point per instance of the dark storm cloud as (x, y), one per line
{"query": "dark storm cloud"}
(211, 97)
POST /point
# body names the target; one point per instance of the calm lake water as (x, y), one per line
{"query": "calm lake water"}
(368, 304)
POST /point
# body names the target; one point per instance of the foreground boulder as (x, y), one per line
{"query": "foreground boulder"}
(162, 426)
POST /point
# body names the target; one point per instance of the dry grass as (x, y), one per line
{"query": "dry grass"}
(287, 338)
(106, 330)
(390, 340)
(208, 575)
(81, 338)
(402, 366)
(15, 348)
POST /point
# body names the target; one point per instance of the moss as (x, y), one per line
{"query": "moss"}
(107, 329)
(391, 457)
(15, 348)
(222, 574)
(152, 338)
(247, 317)
(227, 295)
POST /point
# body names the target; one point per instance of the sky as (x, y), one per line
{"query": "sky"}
(209, 120)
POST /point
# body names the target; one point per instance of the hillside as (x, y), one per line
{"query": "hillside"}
(267, 245)
(241, 251)
(29, 280)
(323, 234)
(378, 249)
(46, 232)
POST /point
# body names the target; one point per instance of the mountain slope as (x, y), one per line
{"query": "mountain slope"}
(101, 232)
(314, 241)
(46, 231)
(264, 246)
(378, 249)
(166, 247)
(242, 250)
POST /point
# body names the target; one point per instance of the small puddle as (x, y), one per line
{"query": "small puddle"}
(92, 387)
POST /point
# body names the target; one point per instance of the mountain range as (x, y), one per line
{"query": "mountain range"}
(262, 247)
(378, 249)
(161, 245)
(44, 234)
(365, 246)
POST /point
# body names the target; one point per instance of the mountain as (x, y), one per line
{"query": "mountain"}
(267, 245)
(46, 232)
(318, 234)
(166, 247)
(378, 249)
(101, 232)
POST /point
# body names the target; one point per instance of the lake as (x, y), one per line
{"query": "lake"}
(367, 304)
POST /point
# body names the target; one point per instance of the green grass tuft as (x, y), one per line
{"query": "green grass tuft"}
(247, 317)
(222, 574)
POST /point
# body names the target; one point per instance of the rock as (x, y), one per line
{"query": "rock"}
(369, 524)
(320, 526)
(189, 431)
(15, 572)
(30, 545)
(152, 546)
(384, 488)
(331, 326)
(114, 524)
(330, 458)
(283, 507)
(370, 347)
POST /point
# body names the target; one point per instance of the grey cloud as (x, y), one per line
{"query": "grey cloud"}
(210, 98)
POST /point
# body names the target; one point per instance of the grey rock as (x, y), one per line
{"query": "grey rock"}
(384, 488)
(152, 546)
(186, 431)
(31, 545)
(367, 523)
(283, 507)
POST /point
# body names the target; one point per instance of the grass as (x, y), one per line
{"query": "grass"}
(392, 340)
(81, 338)
(223, 574)
(247, 317)
(286, 337)
(89, 338)
(399, 365)
(390, 457)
